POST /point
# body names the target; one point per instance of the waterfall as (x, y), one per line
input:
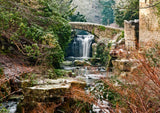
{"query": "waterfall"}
(81, 46)
(87, 41)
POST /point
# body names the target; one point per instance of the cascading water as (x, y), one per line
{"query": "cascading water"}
(87, 45)
(77, 54)
(86, 41)
(81, 46)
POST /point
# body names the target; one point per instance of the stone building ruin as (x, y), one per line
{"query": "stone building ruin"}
(131, 34)
(149, 22)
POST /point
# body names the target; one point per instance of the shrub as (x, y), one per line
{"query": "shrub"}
(103, 53)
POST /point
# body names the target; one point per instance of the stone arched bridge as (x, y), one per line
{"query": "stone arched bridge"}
(98, 30)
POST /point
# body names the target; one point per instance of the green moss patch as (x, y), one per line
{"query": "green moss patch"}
(101, 28)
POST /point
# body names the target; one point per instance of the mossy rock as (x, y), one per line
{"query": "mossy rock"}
(102, 28)
(45, 92)
(16, 97)
(81, 63)
(67, 63)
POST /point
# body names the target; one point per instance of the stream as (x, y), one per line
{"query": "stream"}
(80, 51)
(11, 106)
(90, 74)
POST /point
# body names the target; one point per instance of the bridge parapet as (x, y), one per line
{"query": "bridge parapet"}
(98, 30)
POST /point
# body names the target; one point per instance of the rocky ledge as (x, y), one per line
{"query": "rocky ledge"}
(45, 90)
(47, 93)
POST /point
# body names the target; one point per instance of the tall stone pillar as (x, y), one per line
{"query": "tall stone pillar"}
(131, 34)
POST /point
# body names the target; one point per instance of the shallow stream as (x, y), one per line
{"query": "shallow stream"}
(81, 48)
(90, 74)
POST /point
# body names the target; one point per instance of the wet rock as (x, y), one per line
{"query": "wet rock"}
(81, 63)
(95, 76)
(47, 89)
(45, 93)
(67, 63)
(9, 107)
(15, 97)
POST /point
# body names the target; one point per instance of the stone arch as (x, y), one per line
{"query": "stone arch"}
(100, 31)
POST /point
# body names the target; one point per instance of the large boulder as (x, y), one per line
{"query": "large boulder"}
(47, 93)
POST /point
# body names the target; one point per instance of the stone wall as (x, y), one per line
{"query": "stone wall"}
(149, 22)
(98, 30)
(131, 34)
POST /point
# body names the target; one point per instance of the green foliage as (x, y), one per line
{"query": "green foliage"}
(78, 18)
(93, 30)
(101, 28)
(33, 80)
(41, 32)
(120, 37)
(126, 10)
(153, 56)
(103, 53)
(85, 107)
(108, 12)
(55, 73)
(3, 110)
(103, 92)
(5, 90)
(114, 32)
(59, 72)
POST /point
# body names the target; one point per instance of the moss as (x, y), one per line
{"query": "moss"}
(4, 110)
(56, 73)
(101, 28)
(93, 30)
(1, 71)
(33, 80)
(114, 32)
(120, 37)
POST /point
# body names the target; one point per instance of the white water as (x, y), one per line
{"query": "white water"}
(86, 41)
